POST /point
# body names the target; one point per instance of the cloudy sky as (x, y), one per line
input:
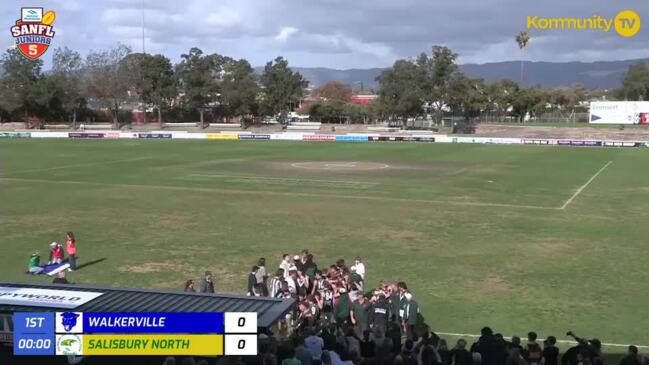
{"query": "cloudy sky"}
(337, 33)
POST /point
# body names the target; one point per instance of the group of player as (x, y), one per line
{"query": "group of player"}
(57, 256)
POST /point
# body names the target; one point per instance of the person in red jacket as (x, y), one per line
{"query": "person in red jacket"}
(71, 250)
(56, 253)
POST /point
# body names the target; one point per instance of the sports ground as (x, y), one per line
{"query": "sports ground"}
(519, 238)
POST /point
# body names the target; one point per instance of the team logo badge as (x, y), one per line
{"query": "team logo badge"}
(33, 32)
(69, 345)
(69, 322)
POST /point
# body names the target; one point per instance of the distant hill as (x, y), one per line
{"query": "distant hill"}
(605, 74)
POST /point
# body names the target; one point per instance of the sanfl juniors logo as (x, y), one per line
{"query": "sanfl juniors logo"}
(33, 32)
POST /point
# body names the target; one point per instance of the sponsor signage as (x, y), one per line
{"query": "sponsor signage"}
(579, 143)
(222, 136)
(255, 137)
(620, 144)
(45, 297)
(15, 135)
(319, 137)
(348, 138)
(154, 136)
(85, 135)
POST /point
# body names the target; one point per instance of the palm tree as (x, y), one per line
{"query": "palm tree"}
(522, 39)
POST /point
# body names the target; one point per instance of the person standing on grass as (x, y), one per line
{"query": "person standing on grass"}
(189, 286)
(33, 266)
(276, 284)
(359, 315)
(207, 285)
(262, 276)
(56, 253)
(286, 265)
(550, 351)
(252, 280)
(71, 250)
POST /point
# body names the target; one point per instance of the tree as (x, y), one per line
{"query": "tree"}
(334, 90)
(400, 95)
(467, 96)
(500, 95)
(239, 89)
(66, 76)
(282, 87)
(151, 78)
(635, 84)
(103, 81)
(18, 84)
(443, 72)
(199, 79)
(522, 39)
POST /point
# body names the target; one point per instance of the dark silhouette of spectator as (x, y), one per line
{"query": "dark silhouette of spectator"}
(252, 280)
(532, 353)
(487, 347)
(550, 351)
(632, 358)
(459, 355)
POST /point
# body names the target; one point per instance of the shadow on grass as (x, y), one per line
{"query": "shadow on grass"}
(89, 263)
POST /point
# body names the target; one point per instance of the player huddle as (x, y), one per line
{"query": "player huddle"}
(337, 294)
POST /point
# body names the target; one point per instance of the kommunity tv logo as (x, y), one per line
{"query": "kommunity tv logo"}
(626, 23)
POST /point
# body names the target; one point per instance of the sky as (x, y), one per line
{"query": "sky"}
(339, 34)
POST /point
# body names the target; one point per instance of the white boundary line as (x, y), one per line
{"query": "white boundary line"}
(581, 188)
(540, 339)
(279, 193)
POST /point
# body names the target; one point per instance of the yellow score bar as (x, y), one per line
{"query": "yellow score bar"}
(173, 344)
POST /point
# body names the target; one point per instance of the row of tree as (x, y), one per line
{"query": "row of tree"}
(113, 78)
(116, 80)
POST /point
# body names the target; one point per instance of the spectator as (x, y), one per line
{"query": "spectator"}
(550, 351)
(444, 353)
(60, 278)
(352, 345)
(189, 286)
(367, 346)
(407, 355)
(487, 347)
(207, 285)
(460, 355)
(290, 358)
(302, 353)
(533, 353)
(632, 358)
(379, 311)
(262, 276)
(315, 345)
(71, 250)
(33, 266)
(56, 253)
(383, 349)
(252, 280)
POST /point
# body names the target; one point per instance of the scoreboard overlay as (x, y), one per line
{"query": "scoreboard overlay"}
(135, 333)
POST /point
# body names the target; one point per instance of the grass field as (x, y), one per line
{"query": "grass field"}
(518, 238)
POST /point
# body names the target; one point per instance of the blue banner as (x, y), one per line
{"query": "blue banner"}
(351, 138)
(135, 322)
